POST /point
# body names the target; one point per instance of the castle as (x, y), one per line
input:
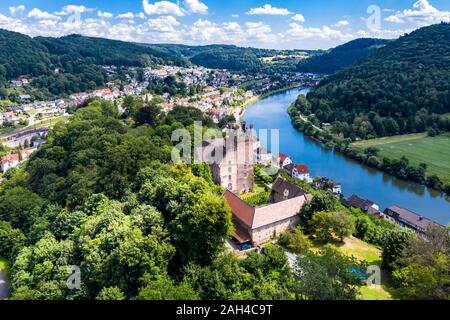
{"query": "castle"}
(231, 159)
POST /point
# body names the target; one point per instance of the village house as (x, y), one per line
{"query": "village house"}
(13, 160)
(366, 206)
(257, 225)
(24, 97)
(301, 172)
(409, 219)
(9, 161)
(328, 185)
(283, 160)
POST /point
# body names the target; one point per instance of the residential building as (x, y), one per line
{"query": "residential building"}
(329, 185)
(9, 161)
(13, 160)
(366, 206)
(300, 171)
(284, 190)
(283, 160)
(257, 225)
(409, 219)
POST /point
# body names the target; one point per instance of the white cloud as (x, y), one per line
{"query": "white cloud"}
(296, 30)
(342, 23)
(38, 14)
(76, 9)
(104, 14)
(267, 9)
(395, 19)
(260, 32)
(162, 8)
(195, 6)
(205, 30)
(422, 13)
(128, 15)
(15, 10)
(235, 16)
(141, 15)
(298, 18)
(163, 24)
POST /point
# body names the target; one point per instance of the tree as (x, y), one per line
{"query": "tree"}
(193, 211)
(321, 202)
(165, 289)
(422, 267)
(148, 114)
(328, 275)
(424, 282)
(295, 241)
(111, 293)
(327, 225)
(131, 105)
(393, 243)
(11, 240)
(18, 206)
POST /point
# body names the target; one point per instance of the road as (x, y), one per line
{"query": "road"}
(4, 287)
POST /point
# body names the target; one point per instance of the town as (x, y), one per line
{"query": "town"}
(220, 94)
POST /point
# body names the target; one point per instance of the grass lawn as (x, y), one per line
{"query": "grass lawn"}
(371, 254)
(418, 148)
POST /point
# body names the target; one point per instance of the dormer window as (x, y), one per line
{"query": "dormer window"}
(285, 194)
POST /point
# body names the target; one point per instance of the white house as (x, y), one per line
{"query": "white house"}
(9, 161)
(283, 160)
(301, 172)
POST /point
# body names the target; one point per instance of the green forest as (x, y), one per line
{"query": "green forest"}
(103, 195)
(73, 63)
(342, 56)
(401, 88)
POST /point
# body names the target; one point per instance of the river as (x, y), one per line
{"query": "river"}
(356, 178)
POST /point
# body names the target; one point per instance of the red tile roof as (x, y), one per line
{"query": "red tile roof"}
(301, 169)
(10, 158)
(241, 210)
(282, 157)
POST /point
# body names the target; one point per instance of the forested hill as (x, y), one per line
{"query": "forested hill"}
(341, 56)
(401, 88)
(108, 52)
(219, 56)
(78, 59)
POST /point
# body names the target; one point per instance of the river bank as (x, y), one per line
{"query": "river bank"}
(400, 168)
(355, 177)
(239, 112)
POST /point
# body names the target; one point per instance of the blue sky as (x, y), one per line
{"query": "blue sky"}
(283, 24)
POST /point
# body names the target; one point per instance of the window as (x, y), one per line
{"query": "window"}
(229, 169)
(229, 177)
(230, 186)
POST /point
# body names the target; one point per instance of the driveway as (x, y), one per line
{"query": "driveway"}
(4, 287)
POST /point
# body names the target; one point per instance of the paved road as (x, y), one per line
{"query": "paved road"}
(4, 287)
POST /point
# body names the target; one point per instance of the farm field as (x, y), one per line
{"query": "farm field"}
(418, 148)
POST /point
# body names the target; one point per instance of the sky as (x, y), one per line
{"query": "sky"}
(277, 24)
